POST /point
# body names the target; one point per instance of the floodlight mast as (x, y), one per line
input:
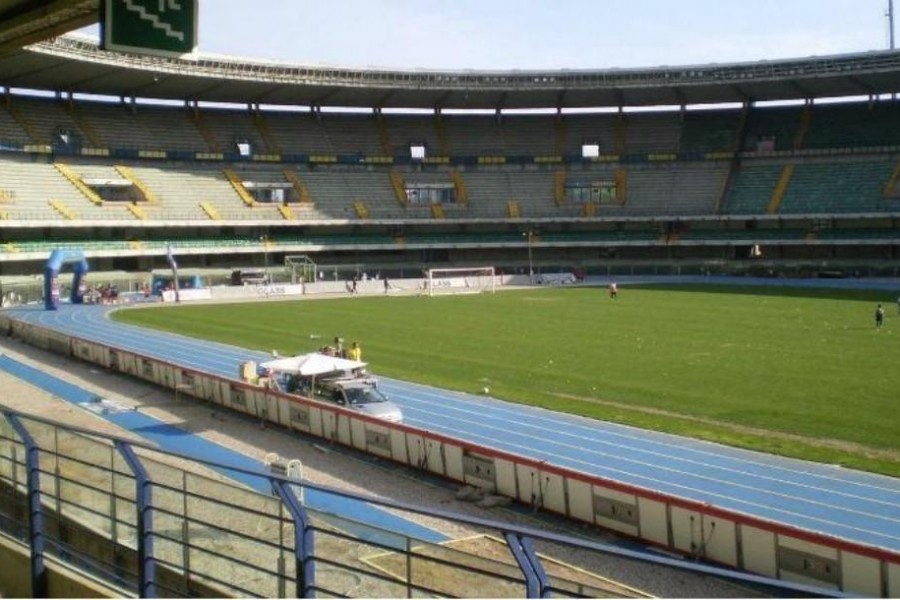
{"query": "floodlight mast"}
(528, 235)
(890, 19)
(264, 240)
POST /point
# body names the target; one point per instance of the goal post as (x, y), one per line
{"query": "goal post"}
(475, 280)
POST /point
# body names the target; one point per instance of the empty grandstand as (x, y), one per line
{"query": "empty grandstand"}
(236, 164)
(773, 181)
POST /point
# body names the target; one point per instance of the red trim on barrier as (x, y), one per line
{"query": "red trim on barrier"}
(700, 507)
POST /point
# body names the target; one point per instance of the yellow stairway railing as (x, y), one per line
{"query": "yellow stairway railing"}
(890, 188)
(462, 194)
(137, 211)
(440, 127)
(286, 212)
(620, 133)
(621, 178)
(437, 210)
(512, 209)
(89, 132)
(299, 187)
(559, 187)
(24, 123)
(64, 210)
(780, 188)
(723, 188)
(262, 126)
(803, 127)
(361, 210)
(238, 186)
(203, 127)
(210, 211)
(560, 126)
(145, 191)
(76, 180)
(399, 186)
(384, 137)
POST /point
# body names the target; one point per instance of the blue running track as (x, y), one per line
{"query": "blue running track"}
(851, 505)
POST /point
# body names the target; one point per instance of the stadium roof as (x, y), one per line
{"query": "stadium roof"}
(74, 64)
(27, 21)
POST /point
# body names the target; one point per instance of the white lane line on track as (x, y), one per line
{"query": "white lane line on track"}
(660, 485)
(560, 425)
(543, 436)
(587, 460)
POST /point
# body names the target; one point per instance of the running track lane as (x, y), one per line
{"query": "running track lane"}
(851, 505)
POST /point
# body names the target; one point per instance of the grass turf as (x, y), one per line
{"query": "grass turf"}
(795, 372)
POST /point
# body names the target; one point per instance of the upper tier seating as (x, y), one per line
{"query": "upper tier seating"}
(227, 128)
(352, 134)
(44, 119)
(599, 129)
(839, 187)
(651, 132)
(752, 188)
(705, 131)
(405, 130)
(854, 125)
(298, 132)
(144, 126)
(11, 132)
(776, 124)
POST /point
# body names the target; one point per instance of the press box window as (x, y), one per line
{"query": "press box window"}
(590, 150)
(417, 151)
(244, 147)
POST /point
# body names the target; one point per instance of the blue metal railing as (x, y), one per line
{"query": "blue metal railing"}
(172, 531)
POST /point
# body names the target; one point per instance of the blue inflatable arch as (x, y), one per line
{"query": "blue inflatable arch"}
(58, 258)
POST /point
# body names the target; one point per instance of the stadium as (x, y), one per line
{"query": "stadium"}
(314, 177)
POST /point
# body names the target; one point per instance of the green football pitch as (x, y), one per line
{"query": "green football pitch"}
(797, 372)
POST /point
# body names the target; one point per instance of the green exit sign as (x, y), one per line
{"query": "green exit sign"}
(157, 27)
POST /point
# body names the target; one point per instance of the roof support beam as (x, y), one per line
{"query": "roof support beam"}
(41, 19)
(501, 103)
(744, 96)
(442, 99)
(802, 91)
(866, 88)
(382, 100)
(560, 100)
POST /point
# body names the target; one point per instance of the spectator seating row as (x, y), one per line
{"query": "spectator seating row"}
(196, 191)
(143, 126)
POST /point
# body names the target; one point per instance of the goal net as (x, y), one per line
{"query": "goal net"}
(460, 281)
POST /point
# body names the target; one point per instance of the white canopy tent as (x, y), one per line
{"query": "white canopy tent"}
(313, 364)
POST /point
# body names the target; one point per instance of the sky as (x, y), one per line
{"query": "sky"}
(537, 34)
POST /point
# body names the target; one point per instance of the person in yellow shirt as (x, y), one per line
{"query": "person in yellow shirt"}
(354, 352)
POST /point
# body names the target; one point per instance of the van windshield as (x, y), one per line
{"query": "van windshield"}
(364, 395)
